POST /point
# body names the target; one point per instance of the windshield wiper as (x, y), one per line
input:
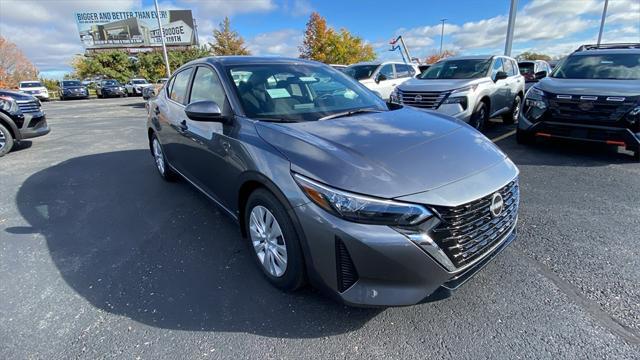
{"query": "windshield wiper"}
(273, 120)
(349, 113)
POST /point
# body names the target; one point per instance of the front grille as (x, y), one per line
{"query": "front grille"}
(29, 106)
(599, 109)
(422, 99)
(469, 230)
(346, 270)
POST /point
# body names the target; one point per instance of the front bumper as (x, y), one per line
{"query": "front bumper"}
(456, 111)
(594, 133)
(75, 95)
(383, 267)
(109, 92)
(34, 126)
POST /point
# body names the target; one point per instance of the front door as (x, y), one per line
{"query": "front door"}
(385, 85)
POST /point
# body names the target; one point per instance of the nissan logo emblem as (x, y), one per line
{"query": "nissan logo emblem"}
(418, 98)
(497, 204)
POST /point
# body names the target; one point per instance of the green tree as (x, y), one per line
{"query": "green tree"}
(227, 41)
(324, 44)
(111, 64)
(528, 55)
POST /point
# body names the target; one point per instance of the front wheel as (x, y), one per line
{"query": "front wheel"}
(6, 140)
(511, 117)
(480, 116)
(274, 242)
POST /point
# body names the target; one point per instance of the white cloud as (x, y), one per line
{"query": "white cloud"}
(221, 8)
(283, 42)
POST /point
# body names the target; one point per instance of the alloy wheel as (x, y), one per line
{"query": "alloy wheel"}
(3, 140)
(516, 109)
(268, 241)
(158, 156)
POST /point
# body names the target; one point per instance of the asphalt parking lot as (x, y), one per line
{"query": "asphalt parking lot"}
(100, 258)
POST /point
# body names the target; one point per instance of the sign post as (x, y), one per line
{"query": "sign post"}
(164, 45)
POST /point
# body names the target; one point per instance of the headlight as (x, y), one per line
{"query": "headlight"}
(360, 208)
(535, 98)
(395, 96)
(462, 100)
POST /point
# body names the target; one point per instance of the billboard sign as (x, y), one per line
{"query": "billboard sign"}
(134, 29)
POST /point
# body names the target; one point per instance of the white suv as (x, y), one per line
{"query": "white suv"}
(470, 88)
(34, 88)
(135, 86)
(382, 77)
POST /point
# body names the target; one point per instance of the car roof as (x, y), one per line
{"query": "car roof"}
(381, 63)
(606, 51)
(248, 60)
(471, 57)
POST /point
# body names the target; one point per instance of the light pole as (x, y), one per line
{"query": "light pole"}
(164, 46)
(442, 34)
(604, 15)
(510, 27)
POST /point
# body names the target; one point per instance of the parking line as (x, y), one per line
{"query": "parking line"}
(502, 137)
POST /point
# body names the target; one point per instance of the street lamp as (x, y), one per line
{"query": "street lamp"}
(442, 34)
(604, 15)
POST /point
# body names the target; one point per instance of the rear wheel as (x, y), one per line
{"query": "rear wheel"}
(480, 116)
(6, 140)
(511, 117)
(161, 163)
(274, 243)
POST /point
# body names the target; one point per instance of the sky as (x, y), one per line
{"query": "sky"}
(46, 31)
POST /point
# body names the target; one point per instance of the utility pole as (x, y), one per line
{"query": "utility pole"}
(604, 15)
(442, 34)
(164, 46)
(510, 28)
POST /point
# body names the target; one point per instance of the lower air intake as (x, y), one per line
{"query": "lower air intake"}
(346, 271)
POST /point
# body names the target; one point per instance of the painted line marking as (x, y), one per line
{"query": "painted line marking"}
(502, 137)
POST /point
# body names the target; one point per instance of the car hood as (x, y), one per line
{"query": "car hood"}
(590, 87)
(112, 86)
(16, 95)
(73, 87)
(41, 88)
(416, 84)
(387, 154)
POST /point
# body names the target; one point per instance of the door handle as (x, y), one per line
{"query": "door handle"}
(183, 125)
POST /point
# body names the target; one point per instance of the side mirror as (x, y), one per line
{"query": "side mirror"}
(500, 75)
(541, 74)
(380, 77)
(204, 110)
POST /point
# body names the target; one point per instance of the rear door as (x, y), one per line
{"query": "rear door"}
(384, 87)
(172, 116)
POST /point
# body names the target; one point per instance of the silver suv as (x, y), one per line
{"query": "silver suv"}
(470, 88)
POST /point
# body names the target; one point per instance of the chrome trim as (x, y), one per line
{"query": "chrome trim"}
(565, 97)
(615, 98)
(584, 97)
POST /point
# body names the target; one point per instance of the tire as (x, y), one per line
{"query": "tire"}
(6, 140)
(162, 166)
(264, 207)
(98, 95)
(524, 137)
(480, 116)
(512, 116)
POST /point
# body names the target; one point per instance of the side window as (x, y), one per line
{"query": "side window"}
(403, 71)
(168, 86)
(178, 91)
(387, 71)
(508, 67)
(207, 86)
(497, 66)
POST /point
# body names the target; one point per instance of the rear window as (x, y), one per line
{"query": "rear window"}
(605, 66)
(30, 84)
(71, 83)
(526, 68)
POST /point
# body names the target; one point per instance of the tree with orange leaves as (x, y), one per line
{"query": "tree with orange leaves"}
(435, 57)
(14, 65)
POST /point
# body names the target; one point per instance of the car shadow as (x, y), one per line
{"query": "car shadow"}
(136, 105)
(21, 145)
(560, 152)
(162, 254)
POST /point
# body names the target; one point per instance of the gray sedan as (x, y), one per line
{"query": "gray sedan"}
(377, 204)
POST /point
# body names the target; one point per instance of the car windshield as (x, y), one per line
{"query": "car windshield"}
(142, 81)
(605, 66)
(360, 72)
(71, 83)
(30, 84)
(298, 92)
(457, 69)
(110, 83)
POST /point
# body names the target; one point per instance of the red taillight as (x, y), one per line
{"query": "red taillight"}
(543, 134)
(614, 142)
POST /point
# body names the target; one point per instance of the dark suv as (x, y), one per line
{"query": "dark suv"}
(20, 118)
(593, 95)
